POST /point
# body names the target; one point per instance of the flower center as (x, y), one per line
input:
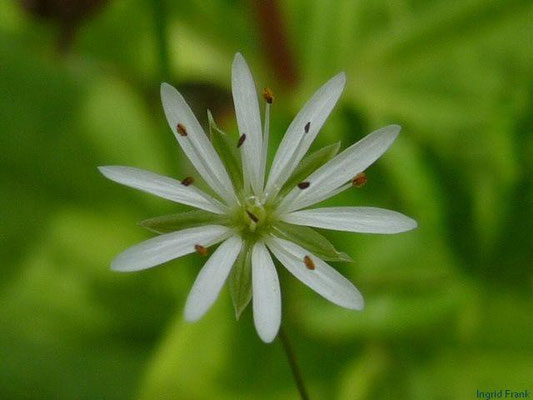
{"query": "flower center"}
(253, 218)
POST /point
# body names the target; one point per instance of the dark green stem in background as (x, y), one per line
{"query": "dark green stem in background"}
(296, 373)
(161, 32)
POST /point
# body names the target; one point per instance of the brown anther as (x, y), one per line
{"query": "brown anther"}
(303, 185)
(359, 180)
(309, 263)
(268, 96)
(181, 130)
(241, 140)
(187, 181)
(252, 216)
(307, 127)
(200, 249)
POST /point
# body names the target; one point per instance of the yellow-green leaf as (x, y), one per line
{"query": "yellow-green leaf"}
(309, 164)
(176, 222)
(227, 150)
(311, 240)
(240, 280)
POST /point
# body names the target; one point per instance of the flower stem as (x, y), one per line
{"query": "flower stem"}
(160, 25)
(296, 373)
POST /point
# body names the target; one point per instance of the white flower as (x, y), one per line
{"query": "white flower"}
(254, 218)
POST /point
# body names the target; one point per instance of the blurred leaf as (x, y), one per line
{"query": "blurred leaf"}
(117, 122)
(362, 375)
(189, 359)
(176, 222)
(386, 316)
(240, 280)
(311, 240)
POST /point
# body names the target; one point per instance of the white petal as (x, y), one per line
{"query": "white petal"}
(248, 119)
(162, 186)
(315, 112)
(266, 294)
(342, 168)
(166, 247)
(353, 219)
(196, 145)
(211, 278)
(324, 280)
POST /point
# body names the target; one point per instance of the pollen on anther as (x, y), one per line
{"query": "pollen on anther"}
(268, 96)
(307, 127)
(241, 140)
(359, 180)
(309, 263)
(200, 249)
(252, 216)
(187, 181)
(181, 130)
(304, 185)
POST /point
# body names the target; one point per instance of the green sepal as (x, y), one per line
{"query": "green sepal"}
(310, 164)
(227, 150)
(176, 222)
(240, 280)
(311, 240)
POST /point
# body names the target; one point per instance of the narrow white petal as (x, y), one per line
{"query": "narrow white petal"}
(211, 278)
(266, 294)
(315, 112)
(353, 219)
(248, 119)
(162, 186)
(342, 168)
(196, 145)
(166, 247)
(324, 280)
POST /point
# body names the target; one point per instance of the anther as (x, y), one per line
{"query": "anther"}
(309, 263)
(200, 249)
(187, 181)
(181, 130)
(268, 96)
(304, 185)
(307, 127)
(241, 140)
(252, 216)
(359, 180)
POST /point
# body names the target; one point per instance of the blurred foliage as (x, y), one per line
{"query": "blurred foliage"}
(448, 305)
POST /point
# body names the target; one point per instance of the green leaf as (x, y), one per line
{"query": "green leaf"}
(309, 164)
(240, 280)
(176, 222)
(311, 240)
(227, 150)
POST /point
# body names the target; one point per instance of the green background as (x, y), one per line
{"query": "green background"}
(449, 305)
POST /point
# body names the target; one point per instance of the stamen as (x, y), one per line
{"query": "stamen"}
(200, 249)
(241, 140)
(252, 216)
(309, 263)
(304, 185)
(181, 130)
(187, 181)
(266, 133)
(307, 127)
(268, 96)
(359, 180)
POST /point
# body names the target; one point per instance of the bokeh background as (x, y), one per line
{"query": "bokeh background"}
(449, 305)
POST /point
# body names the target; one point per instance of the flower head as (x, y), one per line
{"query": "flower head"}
(253, 217)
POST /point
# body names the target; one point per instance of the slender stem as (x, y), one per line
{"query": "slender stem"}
(296, 373)
(160, 25)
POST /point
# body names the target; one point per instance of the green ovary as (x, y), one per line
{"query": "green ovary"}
(253, 219)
